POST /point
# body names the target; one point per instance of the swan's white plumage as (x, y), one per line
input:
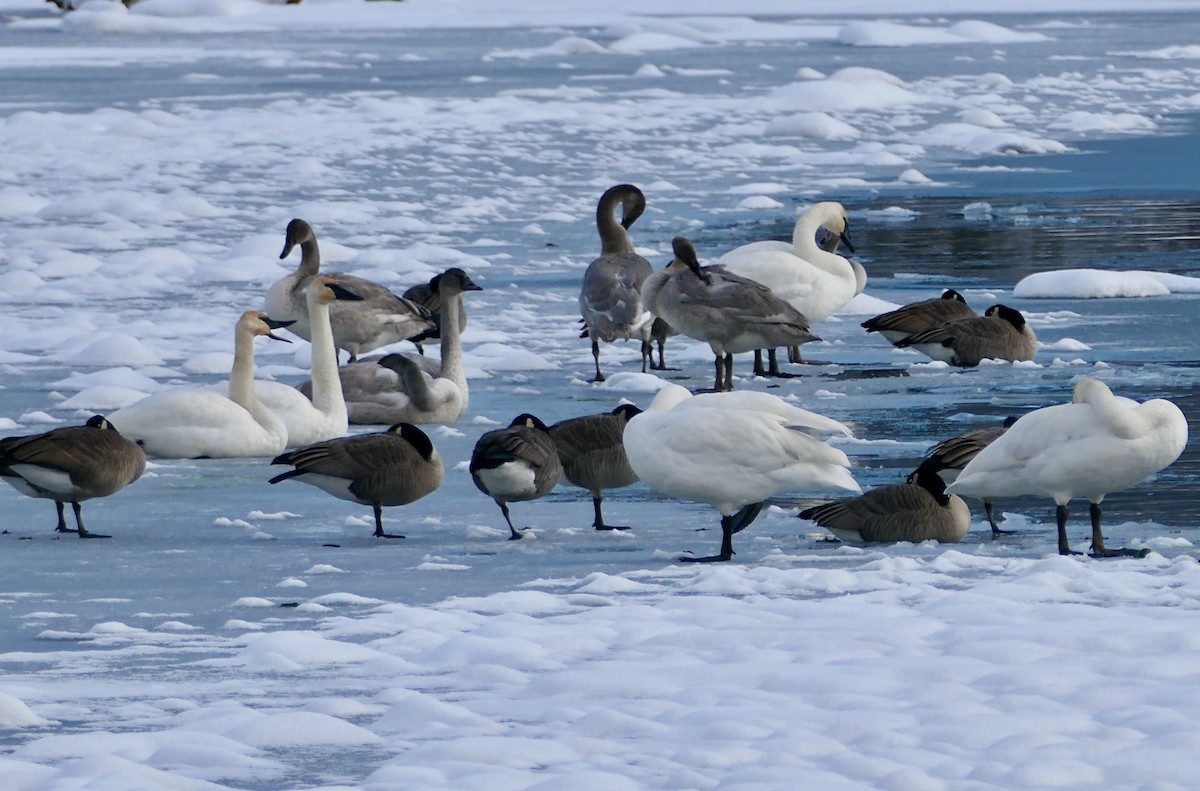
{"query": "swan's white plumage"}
(812, 280)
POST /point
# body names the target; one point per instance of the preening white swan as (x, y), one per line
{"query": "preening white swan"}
(729, 312)
(324, 416)
(200, 422)
(610, 299)
(814, 281)
(378, 319)
(917, 510)
(70, 465)
(402, 389)
(729, 454)
(1097, 444)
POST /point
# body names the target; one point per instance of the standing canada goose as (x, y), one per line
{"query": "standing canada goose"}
(592, 454)
(429, 296)
(815, 281)
(948, 457)
(72, 464)
(202, 422)
(323, 416)
(394, 467)
(728, 454)
(610, 299)
(917, 317)
(917, 510)
(378, 319)
(398, 388)
(1001, 333)
(729, 312)
(1098, 443)
(515, 464)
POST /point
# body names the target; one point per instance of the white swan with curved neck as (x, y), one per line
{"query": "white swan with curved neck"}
(814, 281)
(324, 416)
(200, 422)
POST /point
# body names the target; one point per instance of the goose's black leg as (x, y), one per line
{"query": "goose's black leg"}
(83, 532)
(379, 525)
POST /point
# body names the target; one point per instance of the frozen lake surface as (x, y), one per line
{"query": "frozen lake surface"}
(255, 636)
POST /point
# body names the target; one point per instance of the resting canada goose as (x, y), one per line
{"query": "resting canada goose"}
(1001, 333)
(610, 299)
(729, 312)
(379, 319)
(730, 455)
(917, 317)
(515, 464)
(201, 422)
(814, 281)
(393, 467)
(323, 416)
(948, 457)
(917, 510)
(401, 389)
(592, 454)
(429, 296)
(1098, 443)
(70, 465)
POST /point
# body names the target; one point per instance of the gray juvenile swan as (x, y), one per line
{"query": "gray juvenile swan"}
(948, 457)
(917, 510)
(393, 467)
(515, 464)
(592, 454)
(429, 296)
(731, 313)
(610, 299)
(1001, 333)
(398, 388)
(917, 317)
(70, 465)
(379, 319)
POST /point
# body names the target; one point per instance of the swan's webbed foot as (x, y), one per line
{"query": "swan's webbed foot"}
(709, 559)
(1120, 552)
(612, 527)
(515, 535)
(89, 534)
(379, 534)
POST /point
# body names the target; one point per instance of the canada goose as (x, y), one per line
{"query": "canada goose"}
(813, 280)
(729, 312)
(323, 416)
(379, 319)
(1098, 443)
(428, 295)
(1001, 333)
(72, 464)
(398, 388)
(515, 464)
(730, 457)
(917, 510)
(610, 299)
(948, 457)
(592, 454)
(394, 467)
(201, 422)
(917, 317)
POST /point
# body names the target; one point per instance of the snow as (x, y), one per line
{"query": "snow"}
(237, 635)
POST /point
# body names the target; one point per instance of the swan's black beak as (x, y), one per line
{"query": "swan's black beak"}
(287, 248)
(845, 237)
(343, 293)
(278, 325)
(470, 285)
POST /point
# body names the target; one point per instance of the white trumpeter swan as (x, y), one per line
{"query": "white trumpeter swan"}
(393, 467)
(1098, 443)
(70, 465)
(200, 422)
(610, 299)
(378, 319)
(1001, 333)
(725, 453)
(515, 464)
(592, 454)
(917, 510)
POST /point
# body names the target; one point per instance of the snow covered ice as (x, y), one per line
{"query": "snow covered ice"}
(237, 635)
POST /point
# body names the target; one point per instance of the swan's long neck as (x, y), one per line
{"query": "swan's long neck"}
(613, 237)
(804, 242)
(452, 362)
(241, 376)
(1116, 416)
(310, 259)
(326, 384)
